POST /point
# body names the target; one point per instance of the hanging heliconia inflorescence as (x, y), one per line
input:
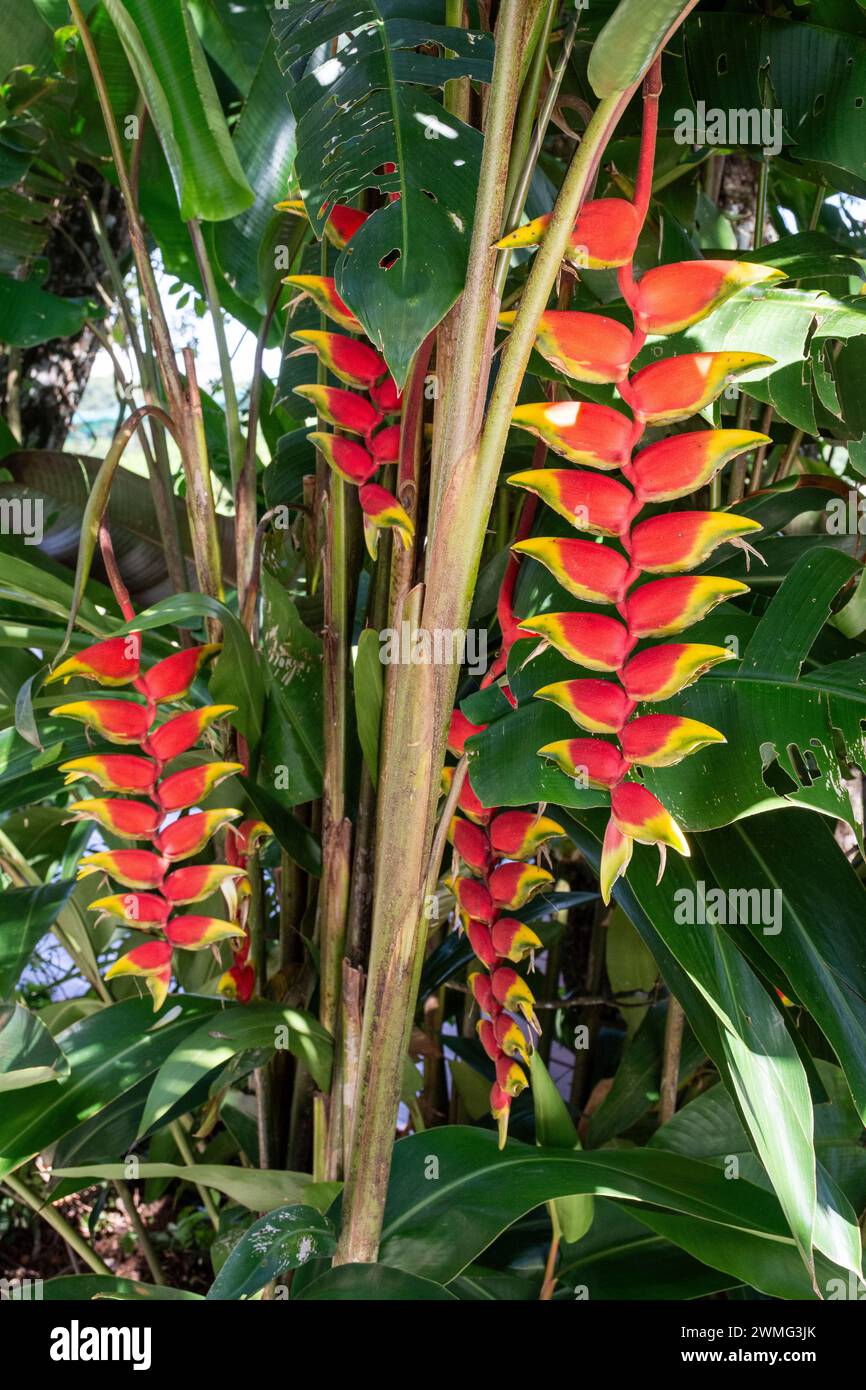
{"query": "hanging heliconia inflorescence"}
(592, 348)
(493, 879)
(157, 891)
(371, 419)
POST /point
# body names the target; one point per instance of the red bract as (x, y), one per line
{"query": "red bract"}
(171, 678)
(114, 662)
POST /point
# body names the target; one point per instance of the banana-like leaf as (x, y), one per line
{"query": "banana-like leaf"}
(166, 55)
(259, 1189)
(630, 40)
(405, 266)
(26, 914)
(284, 1239)
(29, 1056)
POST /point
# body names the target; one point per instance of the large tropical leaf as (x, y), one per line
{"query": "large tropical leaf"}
(258, 1189)
(29, 1056)
(166, 55)
(284, 1239)
(108, 1053)
(26, 914)
(365, 106)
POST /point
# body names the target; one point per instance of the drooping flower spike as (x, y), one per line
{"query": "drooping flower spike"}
(594, 348)
(153, 886)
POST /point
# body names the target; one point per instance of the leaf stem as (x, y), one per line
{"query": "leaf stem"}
(53, 1218)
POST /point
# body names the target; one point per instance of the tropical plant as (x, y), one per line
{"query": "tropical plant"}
(557, 326)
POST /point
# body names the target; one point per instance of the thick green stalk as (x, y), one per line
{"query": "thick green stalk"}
(211, 293)
(467, 380)
(410, 742)
(52, 1218)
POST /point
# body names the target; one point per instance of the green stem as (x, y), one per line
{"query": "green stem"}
(211, 294)
(184, 1148)
(52, 1218)
(140, 1230)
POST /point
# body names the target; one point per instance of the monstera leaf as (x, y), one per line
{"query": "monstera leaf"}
(366, 107)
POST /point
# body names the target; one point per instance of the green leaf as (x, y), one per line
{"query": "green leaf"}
(284, 1239)
(108, 1053)
(372, 1284)
(26, 914)
(251, 1026)
(554, 1129)
(816, 935)
(31, 315)
(292, 749)
(629, 41)
(405, 266)
(29, 1056)
(259, 1189)
(369, 683)
(453, 1191)
(264, 142)
(172, 72)
(631, 969)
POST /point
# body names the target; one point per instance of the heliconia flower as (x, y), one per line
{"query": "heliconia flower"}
(238, 983)
(595, 435)
(509, 1037)
(511, 1076)
(386, 397)
(473, 899)
(342, 224)
(353, 362)
(586, 347)
(603, 237)
(346, 410)
(135, 868)
(381, 509)
(661, 740)
(459, 730)
(115, 772)
(520, 834)
(660, 672)
(118, 721)
(616, 855)
(467, 802)
(594, 573)
(471, 843)
(511, 885)
(678, 387)
(385, 446)
(250, 834)
(682, 540)
(513, 940)
(189, 787)
(347, 457)
(195, 933)
(189, 834)
(588, 760)
(172, 678)
(667, 606)
(183, 732)
(198, 881)
(144, 910)
(590, 501)
(513, 993)
(642, 816)
(482, 992)
(113, 662)
(130, 820)
(487, 1038)
(682, 463)
(592, 640)
(672, 297)
(600, 707)
(323, 292)
(500, 1105)
(481, 943)
(152, 962)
